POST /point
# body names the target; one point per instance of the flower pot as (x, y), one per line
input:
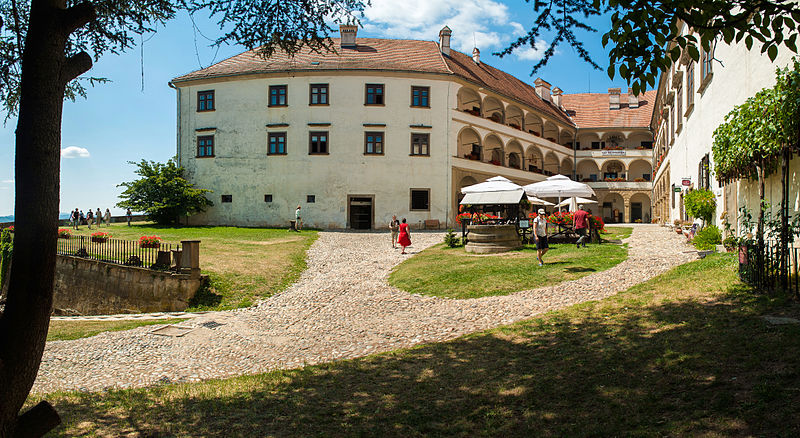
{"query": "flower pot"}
(99, 239)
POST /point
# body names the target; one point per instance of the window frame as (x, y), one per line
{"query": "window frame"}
(367, 134)
(411, 199)
(427, 97)
(679, 107)
(427, 136)
(213, 146)
(268, 198)
(690, 86)
(278, 134)
(382, 94)
(285, 89)
(311, 199)
(311, 135)
(202, 97)
(226, 199)
(311, 94)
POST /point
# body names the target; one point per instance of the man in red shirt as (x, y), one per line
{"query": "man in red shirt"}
(580, 222)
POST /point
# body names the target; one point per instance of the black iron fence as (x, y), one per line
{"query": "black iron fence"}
(123, 252)
(763, 269)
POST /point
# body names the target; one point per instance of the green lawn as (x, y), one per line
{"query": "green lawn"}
(684, 354)
(454, 273)
(64, 330)
(244, 264)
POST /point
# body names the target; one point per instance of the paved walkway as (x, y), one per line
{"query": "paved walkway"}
(341, 307)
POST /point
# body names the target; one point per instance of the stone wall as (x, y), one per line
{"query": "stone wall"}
(90, 287)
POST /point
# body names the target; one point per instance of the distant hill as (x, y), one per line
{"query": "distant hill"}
(11, 218)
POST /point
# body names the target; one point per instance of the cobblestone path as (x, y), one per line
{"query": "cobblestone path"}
(341, 307)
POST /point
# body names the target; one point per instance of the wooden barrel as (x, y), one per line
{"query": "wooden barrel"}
(489, 239)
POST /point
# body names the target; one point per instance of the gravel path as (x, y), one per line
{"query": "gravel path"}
(341, 307)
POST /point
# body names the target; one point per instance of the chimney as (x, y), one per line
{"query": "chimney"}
(444, 40)
(633, 100)
(542, 89)
(348, 32)
(556, 94)
(476, 55)
(613, 98)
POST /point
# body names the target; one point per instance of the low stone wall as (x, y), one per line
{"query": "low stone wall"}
(489, 239)
(90, 287)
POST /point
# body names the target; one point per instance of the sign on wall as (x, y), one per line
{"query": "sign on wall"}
(615, 153)
(686, 181)
(677, 189)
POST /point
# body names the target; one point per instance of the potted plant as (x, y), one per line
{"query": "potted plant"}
(149, 242)
(100, 237)
(64, 233)
(677, 226)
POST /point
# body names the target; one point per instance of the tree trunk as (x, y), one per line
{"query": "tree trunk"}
(23, 325)
(760, 223)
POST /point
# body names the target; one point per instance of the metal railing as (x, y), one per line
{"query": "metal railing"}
(123, 252)
(763, 269)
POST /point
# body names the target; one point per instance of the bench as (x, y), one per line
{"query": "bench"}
(432, 224)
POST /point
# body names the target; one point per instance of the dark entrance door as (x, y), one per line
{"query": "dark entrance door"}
(636, 211)
(360, 213)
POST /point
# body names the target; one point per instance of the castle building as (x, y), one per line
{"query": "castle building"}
(383, 127)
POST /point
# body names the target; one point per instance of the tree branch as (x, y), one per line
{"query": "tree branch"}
(77, 16)
(37, 420)
(75, 66)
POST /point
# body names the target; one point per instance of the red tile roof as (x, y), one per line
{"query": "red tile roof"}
(383, 54)
(590, 110)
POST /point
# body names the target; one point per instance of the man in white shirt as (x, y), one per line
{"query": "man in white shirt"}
(540, 235)
(298, 220)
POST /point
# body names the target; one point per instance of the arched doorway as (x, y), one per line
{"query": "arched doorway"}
(640, 208)
(469, 144)
(613, 208)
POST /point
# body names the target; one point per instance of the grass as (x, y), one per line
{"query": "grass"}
(453, 273)
(684, 354)
(65, 330)
(244, 264)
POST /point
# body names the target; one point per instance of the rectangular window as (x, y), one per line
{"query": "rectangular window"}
(373, 143)
(267, 198)
(672, 121)
(420, 144)
(277, 143)
(318, 94)
(420, 199)
(598, 144)
(277, 95)
(679, 97)
(647, 144)
(374, 94)
(419, 96)
(318, 142)
(205, 100)
(205, 146)
(310, 199)
(689, 85)
(704, 173)
(227, 198)
(706, 57)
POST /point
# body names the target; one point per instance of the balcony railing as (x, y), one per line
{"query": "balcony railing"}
(516, 127)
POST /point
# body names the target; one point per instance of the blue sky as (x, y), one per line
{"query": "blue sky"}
(119, 122)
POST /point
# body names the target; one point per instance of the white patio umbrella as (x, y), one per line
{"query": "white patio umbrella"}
(495, 184)
(536, 201)
(578, 201)
(558, 186)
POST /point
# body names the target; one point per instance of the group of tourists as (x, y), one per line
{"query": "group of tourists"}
(580, 223)
(78, 218)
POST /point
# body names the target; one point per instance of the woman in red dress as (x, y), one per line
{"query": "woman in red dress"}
(404, 239)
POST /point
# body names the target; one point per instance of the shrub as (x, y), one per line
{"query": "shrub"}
(700, 204)
(707, 238)
(450, 239)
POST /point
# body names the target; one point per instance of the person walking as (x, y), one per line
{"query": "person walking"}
(108, 217)
(75, 217)
(404, 237)
(540, 235)
(82, 217)
(580, 222)
(298, 224)
(90, 218)
(98, 217)
(394, 227)
(128, 215)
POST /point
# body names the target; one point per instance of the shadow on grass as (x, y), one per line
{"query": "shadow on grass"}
(672, 368)
(579, 269)
(205, 297)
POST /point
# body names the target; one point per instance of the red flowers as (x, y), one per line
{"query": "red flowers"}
(100, 237)
(64, 233)
(149, 242)
(462, 216)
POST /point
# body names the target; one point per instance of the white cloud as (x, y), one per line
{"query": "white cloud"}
(485, 23)
(532, 54)
(74, 152)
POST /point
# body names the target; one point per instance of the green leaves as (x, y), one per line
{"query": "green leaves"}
(162, 192)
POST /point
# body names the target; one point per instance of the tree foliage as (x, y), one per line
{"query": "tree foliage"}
(755, 133)
(645, 37)
(700, 204)
(162, 193)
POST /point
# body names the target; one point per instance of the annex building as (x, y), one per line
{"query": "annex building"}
(384, 126)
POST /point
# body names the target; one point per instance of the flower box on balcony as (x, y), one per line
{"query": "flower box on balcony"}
(639, 180)
(495, 162)
(534, 133)
(473, 112)
(514, 126)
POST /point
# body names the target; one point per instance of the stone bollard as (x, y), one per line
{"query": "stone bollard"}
(190, 259)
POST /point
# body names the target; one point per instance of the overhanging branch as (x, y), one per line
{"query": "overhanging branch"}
(75, 66)
(77, 16)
